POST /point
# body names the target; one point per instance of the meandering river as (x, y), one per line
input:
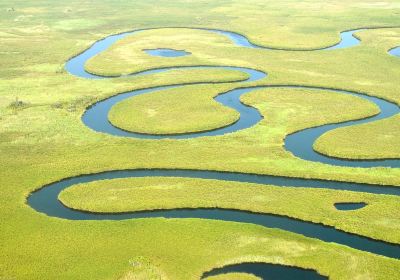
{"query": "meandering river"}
(300, 143)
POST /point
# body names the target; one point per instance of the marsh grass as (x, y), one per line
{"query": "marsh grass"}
(379, 139)
(182, 110)
(377, 220)
(40, 144)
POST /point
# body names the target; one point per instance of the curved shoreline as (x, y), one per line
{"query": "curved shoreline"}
(236, 38)
(166, 52)
(299, 143)
(268, 271)
(230, 34)
(45, 199)
(395, 51)
(96, 116)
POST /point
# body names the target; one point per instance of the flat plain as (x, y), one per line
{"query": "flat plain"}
(44, 140)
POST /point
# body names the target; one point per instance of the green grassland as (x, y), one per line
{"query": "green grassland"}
(375, 140)
(126, 57)
(383, 134)
(192, 108)
(181, 110)
(378, 220)
(43, 139)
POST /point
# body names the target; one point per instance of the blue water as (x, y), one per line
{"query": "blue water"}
(75, 65)
(96, 117)
(300, 144)
(45, 201)
(395, 51)
(347, 40)
(166, 52)
(349, 205)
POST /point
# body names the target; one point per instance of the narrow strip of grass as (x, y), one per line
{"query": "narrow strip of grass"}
(39, 145)
(379, 220)
(181, 110)
(380, 139)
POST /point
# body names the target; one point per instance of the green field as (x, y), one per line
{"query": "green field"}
(43, 139)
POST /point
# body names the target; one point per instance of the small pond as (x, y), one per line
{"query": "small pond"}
(349, 205)
(166, 52)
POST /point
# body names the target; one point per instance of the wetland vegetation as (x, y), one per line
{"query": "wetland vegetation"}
(43, 139)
